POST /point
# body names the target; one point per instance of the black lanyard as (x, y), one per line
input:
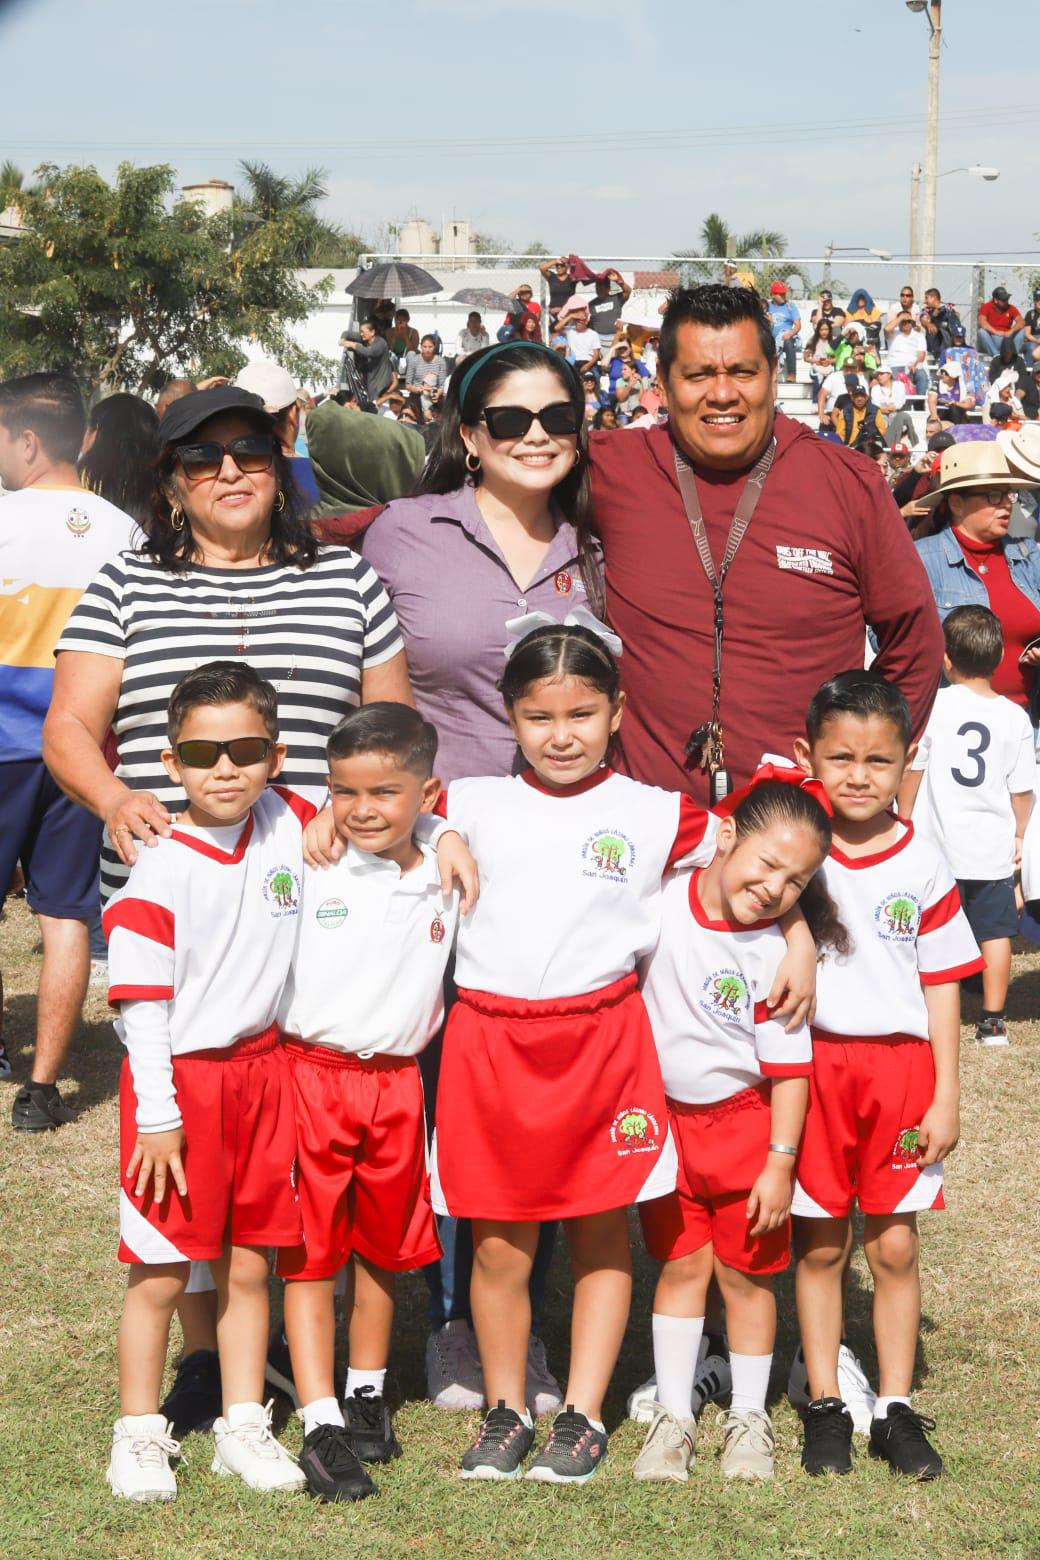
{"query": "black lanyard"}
(706, 745)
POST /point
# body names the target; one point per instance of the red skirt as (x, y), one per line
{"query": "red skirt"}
(551, 1109)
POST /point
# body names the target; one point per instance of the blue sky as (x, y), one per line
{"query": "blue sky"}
(605, 127)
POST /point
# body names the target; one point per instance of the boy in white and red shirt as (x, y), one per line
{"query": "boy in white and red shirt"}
(977, 762)
(884, 1095)
(364, 997)
(200, 940)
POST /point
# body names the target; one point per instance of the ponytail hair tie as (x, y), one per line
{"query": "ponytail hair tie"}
(787, 774)
(518, 628)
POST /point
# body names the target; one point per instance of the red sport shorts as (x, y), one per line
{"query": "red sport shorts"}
(866, 1100)
(239, 1158)
(362, 1147)
(722, 1151)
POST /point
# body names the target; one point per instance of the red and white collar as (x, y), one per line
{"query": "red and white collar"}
(856, 863)
(701, 916)
(213, 852)
(562, 792)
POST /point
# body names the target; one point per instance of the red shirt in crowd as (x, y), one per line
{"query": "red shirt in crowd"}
(1007, 318)
(826, 553)
(1019, 619)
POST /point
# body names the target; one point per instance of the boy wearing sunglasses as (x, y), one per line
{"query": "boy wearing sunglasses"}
(200, 942)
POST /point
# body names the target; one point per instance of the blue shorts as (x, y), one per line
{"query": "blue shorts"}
(57, 842)
(990, 907)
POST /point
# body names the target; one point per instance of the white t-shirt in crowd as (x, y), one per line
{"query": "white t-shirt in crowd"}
(834, 386)
(904, 351)
(976, 753)
(893, 394)
(372, 944)
(705, 986)
(584, 344)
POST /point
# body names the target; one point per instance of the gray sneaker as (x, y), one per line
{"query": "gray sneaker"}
(748, 1446)
(668, 1450)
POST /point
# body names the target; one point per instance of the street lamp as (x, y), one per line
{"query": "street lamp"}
(933, 11)
(848, 249)
(976, 170)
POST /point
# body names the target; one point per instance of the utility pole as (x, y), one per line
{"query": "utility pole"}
(931, 151)
(915, 231)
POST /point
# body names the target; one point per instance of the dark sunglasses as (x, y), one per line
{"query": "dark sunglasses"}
(513, 422)
(251, 453)
(201, 753)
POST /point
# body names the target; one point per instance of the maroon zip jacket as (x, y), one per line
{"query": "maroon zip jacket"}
(827, 552)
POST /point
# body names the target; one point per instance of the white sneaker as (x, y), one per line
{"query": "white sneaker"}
(139, 1467)
(712, 1382)
(668, 1450)
(542, 1390)
(854, 1387)
(251, 1453)
(454, 1375)
(748, 1445)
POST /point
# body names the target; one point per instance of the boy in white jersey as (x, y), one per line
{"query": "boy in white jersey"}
(978, 763)
(364, 997)
(200, 941)
(884, 1094)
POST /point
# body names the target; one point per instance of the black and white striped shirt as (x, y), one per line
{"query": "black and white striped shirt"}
(309, 631)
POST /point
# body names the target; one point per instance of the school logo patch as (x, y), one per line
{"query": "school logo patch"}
(438, 932)
(635, 1131)
(282, 892)
(724, 995)
(564, 583)
(804, 560)
(905, 1150)
(330, 914)
(78, 522)
(897, 918)
(609, 855)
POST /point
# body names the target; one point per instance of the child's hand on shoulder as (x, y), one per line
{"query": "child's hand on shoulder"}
(157, 1155)
(770, 1200)
(456, 862)
(792, 996)
(322, 846)
(939, 1131)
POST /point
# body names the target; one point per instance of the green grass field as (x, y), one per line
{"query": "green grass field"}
(978, 1373)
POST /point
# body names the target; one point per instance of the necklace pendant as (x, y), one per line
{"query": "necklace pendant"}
(983, 569)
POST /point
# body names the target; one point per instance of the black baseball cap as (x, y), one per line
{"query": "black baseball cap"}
(854, 385)
(191, 411)
(1001, 293)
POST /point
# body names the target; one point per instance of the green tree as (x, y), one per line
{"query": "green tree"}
(119, 287)
(271, 197)
(764, 247)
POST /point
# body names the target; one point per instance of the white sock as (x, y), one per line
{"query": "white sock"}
(750, 1381)
(677, 1342)
(240, 1414)
(323, 1411)
(364, 1378)
(881, 1406)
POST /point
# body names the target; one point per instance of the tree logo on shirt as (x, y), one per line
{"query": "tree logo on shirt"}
(906, 1150)
(78, 522)
(282, 891)
(897, 918)
(634, 1131)
(725, 995)
(563, 582)
(608, 855)
(330, 914)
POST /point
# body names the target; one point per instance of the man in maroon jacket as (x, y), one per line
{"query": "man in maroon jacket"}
(825, 554)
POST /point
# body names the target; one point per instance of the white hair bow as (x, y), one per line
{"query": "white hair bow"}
(578, 617)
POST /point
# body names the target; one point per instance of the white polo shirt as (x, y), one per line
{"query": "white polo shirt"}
(975, 753)
(705, 986)
(570, 878)
(205, 926)
(903, 912)
(584, 344)
(367, 974)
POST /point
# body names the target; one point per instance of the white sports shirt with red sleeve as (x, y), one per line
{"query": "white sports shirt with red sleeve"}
(570, 878)
(903, 913)
(209, 930)
(705, 986)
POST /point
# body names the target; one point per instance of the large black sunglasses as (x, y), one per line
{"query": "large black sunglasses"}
(251, 453)
(513, 422)
(202, 753)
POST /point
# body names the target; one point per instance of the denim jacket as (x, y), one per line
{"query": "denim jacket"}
(954, 584)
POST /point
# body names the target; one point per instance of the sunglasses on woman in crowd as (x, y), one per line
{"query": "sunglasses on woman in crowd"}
(202, 753)
(251, 453)
(512, 422)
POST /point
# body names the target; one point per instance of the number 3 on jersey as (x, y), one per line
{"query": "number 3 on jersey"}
(983, 738)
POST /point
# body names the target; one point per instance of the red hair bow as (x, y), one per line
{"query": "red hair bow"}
(787, 774)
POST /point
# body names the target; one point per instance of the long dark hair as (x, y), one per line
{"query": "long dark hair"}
(778, 802)
(120, 464)
(291, 540)
(564, 650)
(445, 470)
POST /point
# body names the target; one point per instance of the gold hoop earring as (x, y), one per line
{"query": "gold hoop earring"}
(279, 503)
(475, 467)
(177, 517)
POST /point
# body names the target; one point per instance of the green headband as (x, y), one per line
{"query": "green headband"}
(500, 346)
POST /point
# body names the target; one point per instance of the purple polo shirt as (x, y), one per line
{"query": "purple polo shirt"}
(453, 594)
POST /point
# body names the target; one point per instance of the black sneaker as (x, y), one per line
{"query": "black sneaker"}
(573, 1452)
(332, 1467)
(900, 1439)
(369, 1427)
(992, 1031)
(827, 1447)
(278, 1367)
(501, 1446)
(5, 1062)
(194, 1400)
(38, 1108)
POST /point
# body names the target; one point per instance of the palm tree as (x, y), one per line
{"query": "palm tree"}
(764, 246)
(12, 184)
(270, 196)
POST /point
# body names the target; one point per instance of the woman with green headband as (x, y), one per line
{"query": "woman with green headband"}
(497, 528)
